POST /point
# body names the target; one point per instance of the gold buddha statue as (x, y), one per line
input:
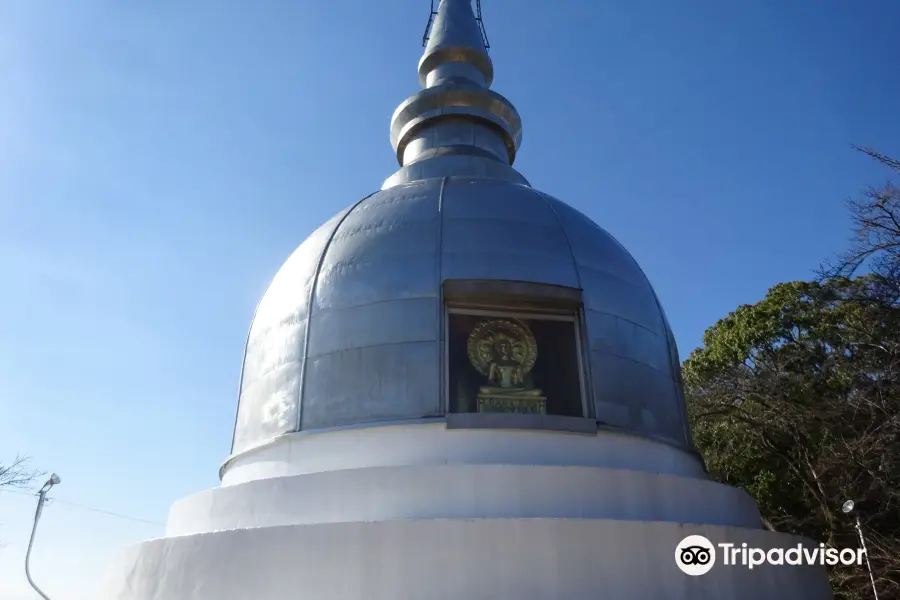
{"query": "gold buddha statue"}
(504, 351)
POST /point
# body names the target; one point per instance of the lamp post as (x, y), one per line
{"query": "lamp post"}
(847, 508)
(42, 498)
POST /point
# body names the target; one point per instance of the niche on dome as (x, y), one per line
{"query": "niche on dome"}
(513, 349)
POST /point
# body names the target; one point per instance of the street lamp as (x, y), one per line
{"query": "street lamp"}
(847, 508)
(42, 498)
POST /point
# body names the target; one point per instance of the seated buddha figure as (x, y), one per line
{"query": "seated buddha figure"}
(505, 351)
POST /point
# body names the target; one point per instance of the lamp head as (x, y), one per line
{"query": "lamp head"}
(847, 507)
(54, 480)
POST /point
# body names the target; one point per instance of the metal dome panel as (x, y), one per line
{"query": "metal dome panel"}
(593, 247)
(372, 350)
(376, 383)
(276, 345)
(481, 199)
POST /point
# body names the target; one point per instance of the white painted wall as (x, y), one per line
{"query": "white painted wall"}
(472, 559)
(434, 444)
(460, 492)
(417, 511)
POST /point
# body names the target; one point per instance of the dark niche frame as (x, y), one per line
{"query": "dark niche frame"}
(549, 311)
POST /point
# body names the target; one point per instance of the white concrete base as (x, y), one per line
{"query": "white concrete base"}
(423, 443)
(463, 492)
(490, 559)
(415, 512)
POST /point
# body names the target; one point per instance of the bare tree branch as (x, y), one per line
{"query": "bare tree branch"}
(876, 229)
(17, 473)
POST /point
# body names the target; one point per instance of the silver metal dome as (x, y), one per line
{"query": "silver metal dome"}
(351, 330)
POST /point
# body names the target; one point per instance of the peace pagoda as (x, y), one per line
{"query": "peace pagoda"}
(458, 388)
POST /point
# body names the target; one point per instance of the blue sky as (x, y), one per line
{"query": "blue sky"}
(159, 160)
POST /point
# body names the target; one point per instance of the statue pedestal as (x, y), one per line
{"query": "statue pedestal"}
(498, 403)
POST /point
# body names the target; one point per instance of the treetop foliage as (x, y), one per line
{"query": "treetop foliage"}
(796, 398)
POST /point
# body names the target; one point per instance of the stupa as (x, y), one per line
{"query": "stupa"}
(458, 387)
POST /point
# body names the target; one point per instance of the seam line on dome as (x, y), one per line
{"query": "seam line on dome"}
(507, 220)
(378, 345)
(497, 254)
(630, 359)
(621, 278)
(237, 412)
(673, 365)
(627, 320)
(309, 312)
(442, 375)
(370, 303)
(587, 374)
(565, 235)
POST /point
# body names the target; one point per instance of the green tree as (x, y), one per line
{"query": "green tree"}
(797, 400)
